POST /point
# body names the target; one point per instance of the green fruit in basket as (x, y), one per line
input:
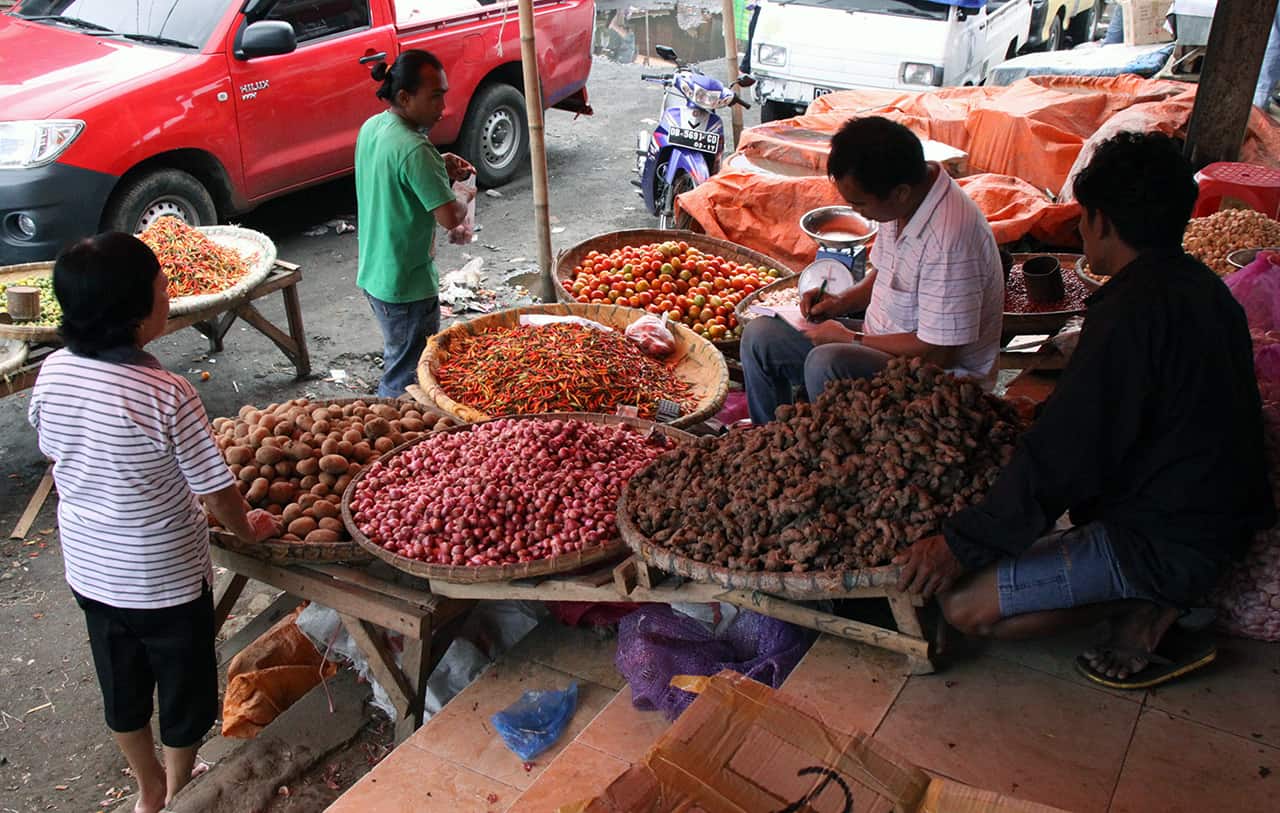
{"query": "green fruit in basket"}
(50, 310)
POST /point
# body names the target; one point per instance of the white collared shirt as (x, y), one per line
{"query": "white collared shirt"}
(940, 278)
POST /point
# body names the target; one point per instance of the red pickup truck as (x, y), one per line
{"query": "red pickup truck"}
(113, 114)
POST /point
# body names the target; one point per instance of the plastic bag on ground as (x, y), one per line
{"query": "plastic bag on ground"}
(1257, 288)
(656, 643)
(269, 676)
(533, 723)
(325, 630)
(652, 336)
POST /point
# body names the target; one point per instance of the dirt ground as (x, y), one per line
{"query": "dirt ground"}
(55, 752)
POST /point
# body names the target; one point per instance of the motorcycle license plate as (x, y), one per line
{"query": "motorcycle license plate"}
(699, 140)
(821, 92)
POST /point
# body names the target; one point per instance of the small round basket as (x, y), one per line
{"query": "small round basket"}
(743, 308)
(572, 257)
(465, 574)
(696, 359)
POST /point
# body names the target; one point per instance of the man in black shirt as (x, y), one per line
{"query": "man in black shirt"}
(1152, 441)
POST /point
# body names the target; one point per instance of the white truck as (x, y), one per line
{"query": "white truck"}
(801, 49)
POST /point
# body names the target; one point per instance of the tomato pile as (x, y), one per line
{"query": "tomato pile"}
(696, 289)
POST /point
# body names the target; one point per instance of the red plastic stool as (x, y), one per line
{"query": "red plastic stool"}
(1256, 187)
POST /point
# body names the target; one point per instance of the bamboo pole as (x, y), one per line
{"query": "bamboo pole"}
(537, 146)
(731, 56)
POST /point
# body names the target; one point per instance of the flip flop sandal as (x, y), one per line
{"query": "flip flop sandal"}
(1177, 654)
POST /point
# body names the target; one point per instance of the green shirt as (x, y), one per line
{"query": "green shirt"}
(400, 179)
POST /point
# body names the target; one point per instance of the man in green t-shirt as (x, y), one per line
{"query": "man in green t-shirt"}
(403, 189)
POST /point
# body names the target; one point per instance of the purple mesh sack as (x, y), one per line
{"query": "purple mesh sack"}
(655, 644)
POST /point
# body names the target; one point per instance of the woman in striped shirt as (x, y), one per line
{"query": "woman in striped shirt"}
(133, 459)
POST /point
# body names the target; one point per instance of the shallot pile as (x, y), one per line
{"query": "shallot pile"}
(1248, 598)
(503, 492)
(844, 483)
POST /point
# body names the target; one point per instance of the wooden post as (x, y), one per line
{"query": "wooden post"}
(1224, 100)
(731, 57)
(537, 146)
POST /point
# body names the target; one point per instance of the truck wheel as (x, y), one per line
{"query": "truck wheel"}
(139, 202)
(773, 111)
(495, 134)
(1053, 42)
(1084, 25)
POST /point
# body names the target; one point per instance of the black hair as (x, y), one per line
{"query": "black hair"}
(877, 153)
(105, 285)
(1144, 185)
(404, 74)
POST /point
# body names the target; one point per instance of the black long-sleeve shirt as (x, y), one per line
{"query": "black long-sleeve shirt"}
(1155, 429)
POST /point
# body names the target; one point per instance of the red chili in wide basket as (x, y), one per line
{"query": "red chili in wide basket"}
(194, 264)
(503, 492)
(561, 367)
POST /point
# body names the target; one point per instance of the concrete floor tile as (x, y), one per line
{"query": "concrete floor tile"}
(578, 774)
(580, 652)
(624, 731)
(411, 780)
(847, 685)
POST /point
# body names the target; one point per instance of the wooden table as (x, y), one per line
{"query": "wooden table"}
(365, 602)
(214, 322)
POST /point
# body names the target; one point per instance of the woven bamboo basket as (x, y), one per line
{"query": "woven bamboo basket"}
(281, 551)
(818, 584)
(257, 249)
(13, 354)
(696, 359)
(571, 257)
(465, 574)
(1048, 322)
(741, 310)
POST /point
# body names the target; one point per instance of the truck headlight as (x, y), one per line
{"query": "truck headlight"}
(774, 55)
(919, 73)
(25, 144)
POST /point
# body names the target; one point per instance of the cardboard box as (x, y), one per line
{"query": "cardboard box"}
(1144, 21)
(745, 748)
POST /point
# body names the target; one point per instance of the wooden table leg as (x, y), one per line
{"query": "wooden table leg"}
(293, 313)
(390, 677)
(906, 614)
(226, 599)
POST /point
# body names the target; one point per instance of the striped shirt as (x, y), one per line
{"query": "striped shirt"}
(131, 448)
(940, 278)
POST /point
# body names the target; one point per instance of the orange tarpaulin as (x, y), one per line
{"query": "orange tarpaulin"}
(1025, 142)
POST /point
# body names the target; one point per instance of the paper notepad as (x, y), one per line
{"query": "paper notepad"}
(788, 313)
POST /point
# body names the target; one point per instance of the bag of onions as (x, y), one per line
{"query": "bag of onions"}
(1248, 597)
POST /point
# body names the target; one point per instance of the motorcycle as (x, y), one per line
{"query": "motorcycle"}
(684, 149)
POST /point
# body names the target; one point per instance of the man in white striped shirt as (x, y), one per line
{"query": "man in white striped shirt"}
(133, 457)
(935, 289)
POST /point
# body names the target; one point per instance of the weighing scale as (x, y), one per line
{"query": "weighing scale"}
(836, 247)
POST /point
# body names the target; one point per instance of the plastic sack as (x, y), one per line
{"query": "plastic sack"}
(465, 231)
(269, 676)
(533, 723)
(652, 335)
(325, 630)
(656, 643)
(1257, 288)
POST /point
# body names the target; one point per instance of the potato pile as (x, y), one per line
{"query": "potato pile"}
(295, 459)
(842, 484)
(1210, 239)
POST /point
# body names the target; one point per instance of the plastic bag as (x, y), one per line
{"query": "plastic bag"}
(533, 723)
(1257, 288)
(652, 335)
(465, 231)
(655, 644)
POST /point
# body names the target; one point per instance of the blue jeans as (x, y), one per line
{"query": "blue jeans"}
(776, 358)
(1063, 569)
(1270, 74)
(405, 329)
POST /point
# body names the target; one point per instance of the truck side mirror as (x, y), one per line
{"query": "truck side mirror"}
(668, 53)
(265, 38)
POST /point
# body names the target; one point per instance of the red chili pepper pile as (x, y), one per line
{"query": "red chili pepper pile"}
(560, 367)
(194, 264)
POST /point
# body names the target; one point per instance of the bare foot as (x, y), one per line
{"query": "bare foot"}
(201, 767)
(150, 800)
(1134, 636)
